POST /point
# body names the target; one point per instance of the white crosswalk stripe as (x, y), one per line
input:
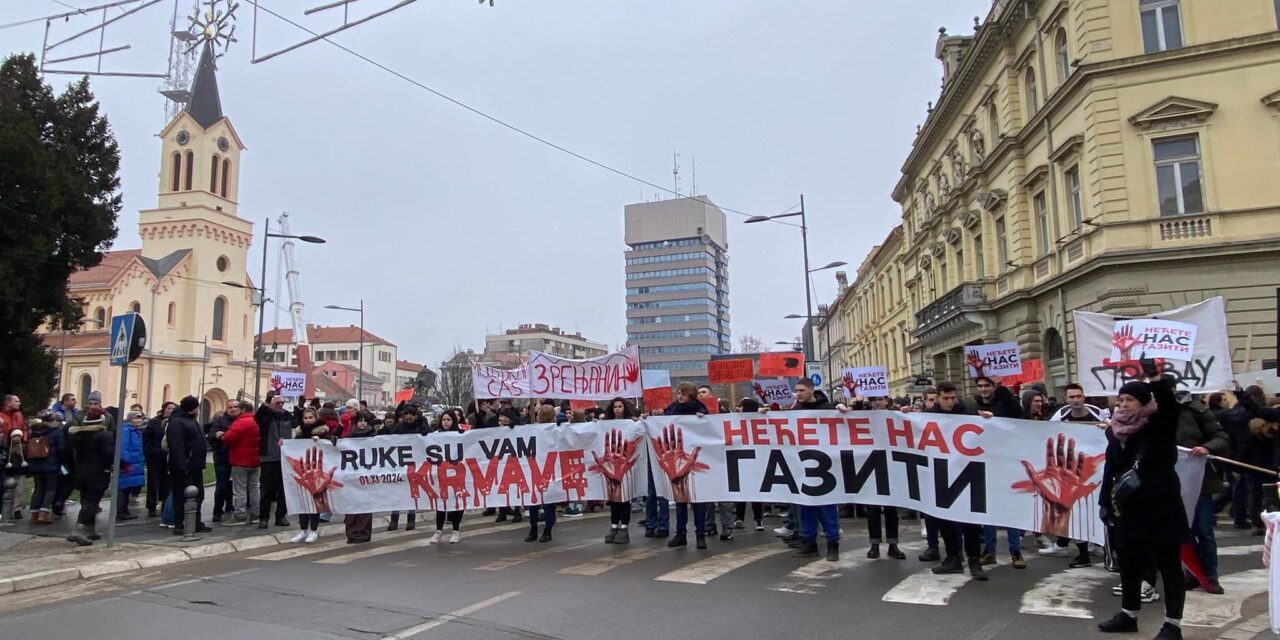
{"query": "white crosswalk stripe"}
(421, 541)
(1066, 593)
(517, 560)
(924, 587)
(1207, 610)
(704, 571)
(816, 575)
(601, 565)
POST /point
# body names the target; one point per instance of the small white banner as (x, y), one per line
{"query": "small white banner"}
(1147, 338)
(774, 390)
(867, 382)
(999, 359)
(288, 384)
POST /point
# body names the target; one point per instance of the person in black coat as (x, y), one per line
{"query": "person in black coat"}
(997, 400)
(221, 460)
(410, 422)
(92, 448)
(187, 451)
(157, 459)
(359, 526)
(1150, 526)
(954, 533)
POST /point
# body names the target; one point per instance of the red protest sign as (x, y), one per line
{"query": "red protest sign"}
(658, 399)
(582, 405)
(781, 365)
(712, 403)
(404, 395)
(1032, 371)
(730, 371)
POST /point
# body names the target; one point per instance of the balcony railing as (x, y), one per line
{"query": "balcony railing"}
(969, 294)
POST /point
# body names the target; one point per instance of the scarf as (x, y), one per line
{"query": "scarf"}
(1125, 424)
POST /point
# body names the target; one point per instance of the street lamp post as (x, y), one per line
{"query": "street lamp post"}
(807, 343)
(360, 376)
(262, 301)
(204, 343)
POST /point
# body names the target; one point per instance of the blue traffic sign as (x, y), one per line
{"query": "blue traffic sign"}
(128, 336)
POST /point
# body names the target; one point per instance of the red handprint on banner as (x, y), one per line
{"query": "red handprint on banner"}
(975, 362)
(1062, 483)
(675, 462)
(631, 372)
(1124, 341)
(309, 473)
(619, 458)
(851, 384)
(755, 386)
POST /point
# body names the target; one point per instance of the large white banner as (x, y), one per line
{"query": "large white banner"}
(601, 378)
(1037, 476)
(1097, 334)
(526, 465)
(489, 382)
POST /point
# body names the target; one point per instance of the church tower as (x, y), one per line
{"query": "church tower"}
(195, 234)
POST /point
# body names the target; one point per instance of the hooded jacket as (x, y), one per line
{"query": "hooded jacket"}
(819, 403)
(1198, 427)
(153, 440)
(55, 438)
(132, 474)
(187, 447)
(11, 421)
(92, 446)
(242, 442)
(1003, 403)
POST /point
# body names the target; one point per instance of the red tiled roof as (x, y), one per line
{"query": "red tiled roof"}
(409, 366)
(318, 335)
(82, 340)
(113, 262)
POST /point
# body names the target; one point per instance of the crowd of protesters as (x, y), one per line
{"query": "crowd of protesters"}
(67, 450)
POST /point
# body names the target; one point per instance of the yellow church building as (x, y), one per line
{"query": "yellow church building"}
(193, 243)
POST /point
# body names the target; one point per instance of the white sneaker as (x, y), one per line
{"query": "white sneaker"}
(435, 537)
(312, 536)
(1148, 594)
(302, 535)
(455, 537)
(1054, 551)
(783, 532)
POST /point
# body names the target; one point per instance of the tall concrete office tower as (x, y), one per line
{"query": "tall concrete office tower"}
(677, 269)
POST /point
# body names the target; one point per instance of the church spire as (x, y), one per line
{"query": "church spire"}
(205, 106)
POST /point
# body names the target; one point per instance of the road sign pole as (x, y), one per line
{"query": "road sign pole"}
(115, 459)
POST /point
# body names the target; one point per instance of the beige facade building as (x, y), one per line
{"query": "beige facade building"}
(544, 338)
(677, 272)
(1117, 156)
(192, 243)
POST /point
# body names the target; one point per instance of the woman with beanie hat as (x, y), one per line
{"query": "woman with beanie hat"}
(1147, 518)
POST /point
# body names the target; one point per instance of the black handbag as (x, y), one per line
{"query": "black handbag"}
(1125, 489)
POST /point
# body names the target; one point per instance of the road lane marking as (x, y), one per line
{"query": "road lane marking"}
(516, 560)
(304, 549)
(1240, 550)
(705, 571)
(926, 587)
(608, 563)
(1207, 610)
(409, 632)
(425, 541)
(1065, 594)
(816, 575)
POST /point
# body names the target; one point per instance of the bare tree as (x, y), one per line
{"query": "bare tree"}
(454, 382)
(748, 343)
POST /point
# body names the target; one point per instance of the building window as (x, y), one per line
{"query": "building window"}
(959, 265)
(165, 395)
(1161, 25)
(1178, 175)
(86, 385)
(1062, 52)
(1074, 200)
(177, 170)
(100, 316)
(190, 162)
(993, 123)
(1033, 96)
(942, 271)
(1002, 244)
(219, 332)
(226, 175)
(1278, 14)
(1042, 222)
(223, 263)
(979, 258)
(213, 175)
(173, 314)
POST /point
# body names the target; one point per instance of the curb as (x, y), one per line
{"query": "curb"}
(154, 558)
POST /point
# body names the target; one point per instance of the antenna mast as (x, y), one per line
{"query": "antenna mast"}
(675, 172)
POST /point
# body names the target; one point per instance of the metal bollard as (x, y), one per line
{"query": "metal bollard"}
(190, 509)
(6, 501)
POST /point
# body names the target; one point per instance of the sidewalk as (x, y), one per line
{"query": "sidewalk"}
(35, 556)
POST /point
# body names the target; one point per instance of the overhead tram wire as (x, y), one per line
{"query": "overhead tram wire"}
(503, 123)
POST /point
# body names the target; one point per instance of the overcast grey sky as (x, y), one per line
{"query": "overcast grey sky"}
(450, 226)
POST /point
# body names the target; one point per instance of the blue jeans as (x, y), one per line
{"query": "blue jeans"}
(809, 517)
(699, 517)
(657, 514)
(1202, 537)
(989, 540)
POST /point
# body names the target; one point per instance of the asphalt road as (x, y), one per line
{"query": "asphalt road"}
(494, 586)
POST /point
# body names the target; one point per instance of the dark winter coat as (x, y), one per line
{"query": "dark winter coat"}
(1157, 515)
(153, 439)
(690, 408)
(401, 428)
(961, 409)
(820, 403)
(1003, 403)
(220, 423)
(92, 446)
(132, 473)
(56, 438)
(242, 442)
(187, 448)
(273, 426)
(1197, 427)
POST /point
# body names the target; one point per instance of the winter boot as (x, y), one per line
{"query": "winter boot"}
(612, 535)
(975, 570)
(833, 551)
(394, 523)
(533, 535)
(701, 541)
(80, 536)
(951, 564)
(678, 540)
(809, 550)
(412, 522)
(623, 537)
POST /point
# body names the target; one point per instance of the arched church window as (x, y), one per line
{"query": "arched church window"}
(186, 181)
(213, 174)
(177, 170)
(219, 319)
(226, 175)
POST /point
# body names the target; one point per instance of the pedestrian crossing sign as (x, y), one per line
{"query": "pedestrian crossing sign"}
(128, 335)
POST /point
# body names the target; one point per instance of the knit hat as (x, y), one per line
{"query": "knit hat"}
(189, 404)
(1141, 391)
(134, 414)
(94, 396)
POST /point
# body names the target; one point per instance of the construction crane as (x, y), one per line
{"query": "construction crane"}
(302, 348)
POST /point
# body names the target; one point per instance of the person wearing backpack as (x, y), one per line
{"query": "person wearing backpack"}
(1198, 430)
(44, 452)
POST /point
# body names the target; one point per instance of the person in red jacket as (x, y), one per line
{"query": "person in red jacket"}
(242, 440)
